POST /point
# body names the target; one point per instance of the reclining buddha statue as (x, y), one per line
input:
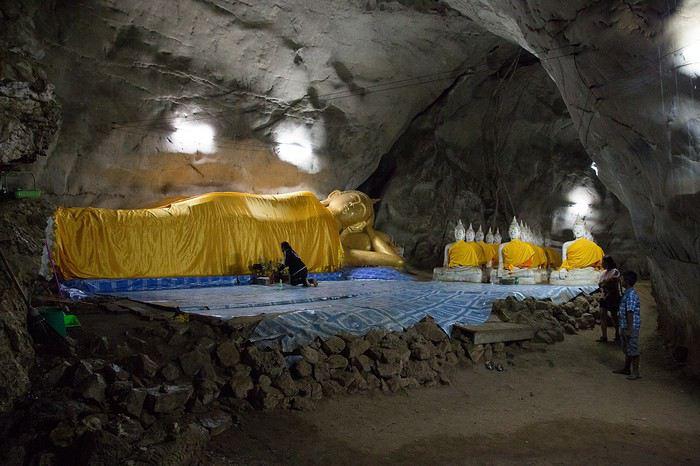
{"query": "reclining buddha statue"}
(581, 259)
(516, 258)
(463, 259)
(362, 244)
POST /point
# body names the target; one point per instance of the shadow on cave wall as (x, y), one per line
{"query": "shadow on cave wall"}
(493, 146)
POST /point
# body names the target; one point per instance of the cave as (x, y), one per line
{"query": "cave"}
(438, 112)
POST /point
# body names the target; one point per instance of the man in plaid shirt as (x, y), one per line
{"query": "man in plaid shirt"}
(630, 321)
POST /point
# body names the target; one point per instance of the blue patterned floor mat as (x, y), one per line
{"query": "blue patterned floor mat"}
(353, 306)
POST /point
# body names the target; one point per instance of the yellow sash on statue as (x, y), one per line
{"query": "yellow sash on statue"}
(494, 248)
(540, 259)
(583, 253)
(463, 254)
(518, 254)
(553, 257)
(486, 251)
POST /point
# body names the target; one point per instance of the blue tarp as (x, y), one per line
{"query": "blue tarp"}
(102, 286)
(353, 306)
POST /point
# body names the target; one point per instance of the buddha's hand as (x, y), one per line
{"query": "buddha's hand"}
(563, 273)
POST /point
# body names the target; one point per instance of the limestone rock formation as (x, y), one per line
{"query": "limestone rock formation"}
(21, 227)
(627, 71)
(29, 113)
(272, 97)
(494, 145)
(222, 95)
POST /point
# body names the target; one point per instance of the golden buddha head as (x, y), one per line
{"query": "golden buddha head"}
(352, 209)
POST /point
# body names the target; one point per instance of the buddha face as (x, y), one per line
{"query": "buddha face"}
(352, 209)
(489, 237)
(514, 232)
(479, 235)
(460, 232)
(469, 237)
(497, 238)
(579, 230)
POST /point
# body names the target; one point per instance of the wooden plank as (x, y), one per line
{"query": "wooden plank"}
(495, 332)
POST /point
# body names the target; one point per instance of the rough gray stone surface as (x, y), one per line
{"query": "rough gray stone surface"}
(493, 146)
(630, 91)
(29, 113)
(292, 76)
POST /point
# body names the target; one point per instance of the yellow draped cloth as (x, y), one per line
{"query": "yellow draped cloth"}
(487, 251)
(583, 253)
(518, 254)
(540, 259)
(211, 234)
(494, 250)
(553, 257)
(463, 254)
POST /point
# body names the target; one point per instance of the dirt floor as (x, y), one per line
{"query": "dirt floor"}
(555, 405)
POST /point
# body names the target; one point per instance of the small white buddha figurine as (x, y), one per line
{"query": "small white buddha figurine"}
(581, 259)
(497, 237)
(479, 236)
(515, 258)
(463, 259)
(489, 237)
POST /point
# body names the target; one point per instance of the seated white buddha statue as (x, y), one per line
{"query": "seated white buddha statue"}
(487, 249)
(490, 240)
(463, 259)
(516, 258)
(581, 259)
(539, 260)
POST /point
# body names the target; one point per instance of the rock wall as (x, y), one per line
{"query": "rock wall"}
(29, 120)
(29, 113)
(21, 228)
(494, 146)
(221, 95)
(627, 71)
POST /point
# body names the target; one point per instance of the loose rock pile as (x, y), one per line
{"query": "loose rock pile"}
(549, 320)
(158, 385)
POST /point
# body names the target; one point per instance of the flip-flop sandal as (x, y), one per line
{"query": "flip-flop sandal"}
(489, 365)
(499, 367)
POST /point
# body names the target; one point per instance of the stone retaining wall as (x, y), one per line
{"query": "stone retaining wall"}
(160, 384)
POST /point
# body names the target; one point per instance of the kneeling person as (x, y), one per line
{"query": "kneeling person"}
(297, 269)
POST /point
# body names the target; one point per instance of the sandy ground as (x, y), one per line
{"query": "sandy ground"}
(559, 405)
